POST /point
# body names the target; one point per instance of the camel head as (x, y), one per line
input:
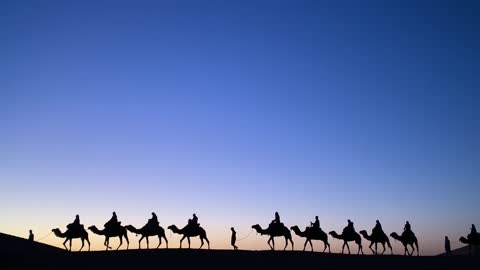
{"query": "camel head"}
(334, 234)
(463, 240)
(173, 228)
(92, 227)
(395, 236)
(257, 227)
(132, 229)
(57, 232)
(294, 228)
(363, 232)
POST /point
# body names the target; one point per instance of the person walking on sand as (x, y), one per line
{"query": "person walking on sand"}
(448, 250)
(234, 238)
(30, 236)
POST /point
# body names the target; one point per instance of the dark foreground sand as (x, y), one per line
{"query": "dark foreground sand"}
(17, 253)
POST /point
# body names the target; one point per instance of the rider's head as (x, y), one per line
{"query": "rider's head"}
(77, 216)
(316, 217)
(114, 213)
(232, 229)
(30, 231)
(377, 221)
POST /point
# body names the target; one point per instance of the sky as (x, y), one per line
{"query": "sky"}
(233, 110)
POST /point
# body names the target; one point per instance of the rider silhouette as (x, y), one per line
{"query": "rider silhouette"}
(75, 224)
(407, 227)
(316, 224)
(154, 219)
(277, 218)
(378, 228)
(473, 230)
(349, 228)
(112, 222)
(193, 222)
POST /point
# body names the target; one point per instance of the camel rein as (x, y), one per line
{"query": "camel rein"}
(44, 237)
(251, 230)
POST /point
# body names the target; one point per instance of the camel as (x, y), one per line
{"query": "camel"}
(190, 231)
(72, 234)
(275, 232)
(146, 232)
(312, 234)
(470, 241)
(119, 232)
(347, 238)
(407, 239)
(375, 239)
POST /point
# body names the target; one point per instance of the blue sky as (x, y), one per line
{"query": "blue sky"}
(237, 109)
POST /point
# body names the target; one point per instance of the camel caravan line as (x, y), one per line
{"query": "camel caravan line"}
(113, 228)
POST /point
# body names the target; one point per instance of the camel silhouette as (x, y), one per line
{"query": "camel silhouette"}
(407, 239)
(190, 231)
(348, 238)
(375, 239)
(275, 230)
(72, 234)
(146, 232)
(312, 234)
(471, 240)
(117, 231)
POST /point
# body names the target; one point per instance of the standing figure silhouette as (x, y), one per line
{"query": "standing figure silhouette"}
(448, 250)
(234, 238)
(30, 236)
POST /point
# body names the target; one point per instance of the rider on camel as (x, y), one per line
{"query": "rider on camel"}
(75, 224)
(349, 228)
(193, 222)
(377, 229)
(112, 222)
(316, 224)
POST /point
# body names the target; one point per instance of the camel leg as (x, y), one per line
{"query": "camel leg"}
(65, 243)
(291, 242)
(88, 241)
(286, 243)
(311, 245)
(159, 241)
(268, 242)
(304, 245)
(121, 242)
(166, 241)
(348, 247)
(383, 244)
(147, 244)
(140, 242)
(188, 239)
(83, 243)
(360, 249)
(70, 244)
(273, 243)
(181, 240)
(208, 242)
(201, 243)
(371, 243)
(126, 238)
(418, 250)
(325, 245)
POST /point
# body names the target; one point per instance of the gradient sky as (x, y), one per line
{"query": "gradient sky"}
(236, 109)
